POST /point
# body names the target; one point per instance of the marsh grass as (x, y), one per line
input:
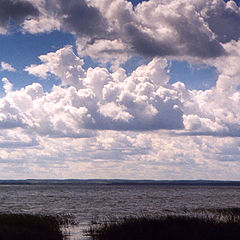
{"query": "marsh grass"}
(32, 227)
(220, 224)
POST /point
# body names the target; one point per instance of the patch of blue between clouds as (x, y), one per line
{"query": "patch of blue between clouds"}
(194, 77)
(21, 50)
(133, 63)
(136, 2)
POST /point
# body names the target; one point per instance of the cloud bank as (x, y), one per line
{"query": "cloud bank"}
(107, 100)
(195, 29)
(97, 99)
(114, 31)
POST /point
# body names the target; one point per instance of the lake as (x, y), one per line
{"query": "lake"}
(90, 202)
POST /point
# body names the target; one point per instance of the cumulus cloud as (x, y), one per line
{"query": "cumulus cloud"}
(72, 16)
(16, 11)
(145, 100)
(228, 81)
(64, 64)
(81, 18)
(115, 51)
(216, 111)
(223, 19)
(44, 23)
(104, 100)
(7, 67)
(46, 114)
(166, 28)
(114, 31)
(7, 85)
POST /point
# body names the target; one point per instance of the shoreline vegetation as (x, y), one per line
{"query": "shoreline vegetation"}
(209, 224)
(200, 224)
(33, 227)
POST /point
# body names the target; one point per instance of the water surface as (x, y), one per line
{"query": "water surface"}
(88, 202)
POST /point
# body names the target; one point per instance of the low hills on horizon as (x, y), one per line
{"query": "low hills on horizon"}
(121, 182)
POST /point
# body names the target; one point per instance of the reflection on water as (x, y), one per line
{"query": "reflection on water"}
(98, 202)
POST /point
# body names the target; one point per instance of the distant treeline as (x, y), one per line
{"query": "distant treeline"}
(123, 182)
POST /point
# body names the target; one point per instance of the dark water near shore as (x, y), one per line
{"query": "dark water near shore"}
(96, 202)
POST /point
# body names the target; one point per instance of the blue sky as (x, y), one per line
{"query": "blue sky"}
(99, 89)
(21, 50)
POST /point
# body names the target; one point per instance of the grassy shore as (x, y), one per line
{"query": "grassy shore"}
(225, 225)
(31, 227)
(208, 224)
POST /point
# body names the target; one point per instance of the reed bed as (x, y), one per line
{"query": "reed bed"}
(32, 227)
(211, 224)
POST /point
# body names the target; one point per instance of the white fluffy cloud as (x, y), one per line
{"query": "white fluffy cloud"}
(217, 110)
(194, 29)
(104, 100)
(64, 64)
(145, 100)
(7, 67)
(49, 114)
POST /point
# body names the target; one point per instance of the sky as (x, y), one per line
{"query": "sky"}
(120, 89)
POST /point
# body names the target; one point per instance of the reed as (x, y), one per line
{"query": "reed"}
(31, 227)
(172, 227)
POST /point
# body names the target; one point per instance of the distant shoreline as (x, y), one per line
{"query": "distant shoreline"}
(119, 182)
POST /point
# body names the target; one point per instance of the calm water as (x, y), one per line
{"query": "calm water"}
(90, 202)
